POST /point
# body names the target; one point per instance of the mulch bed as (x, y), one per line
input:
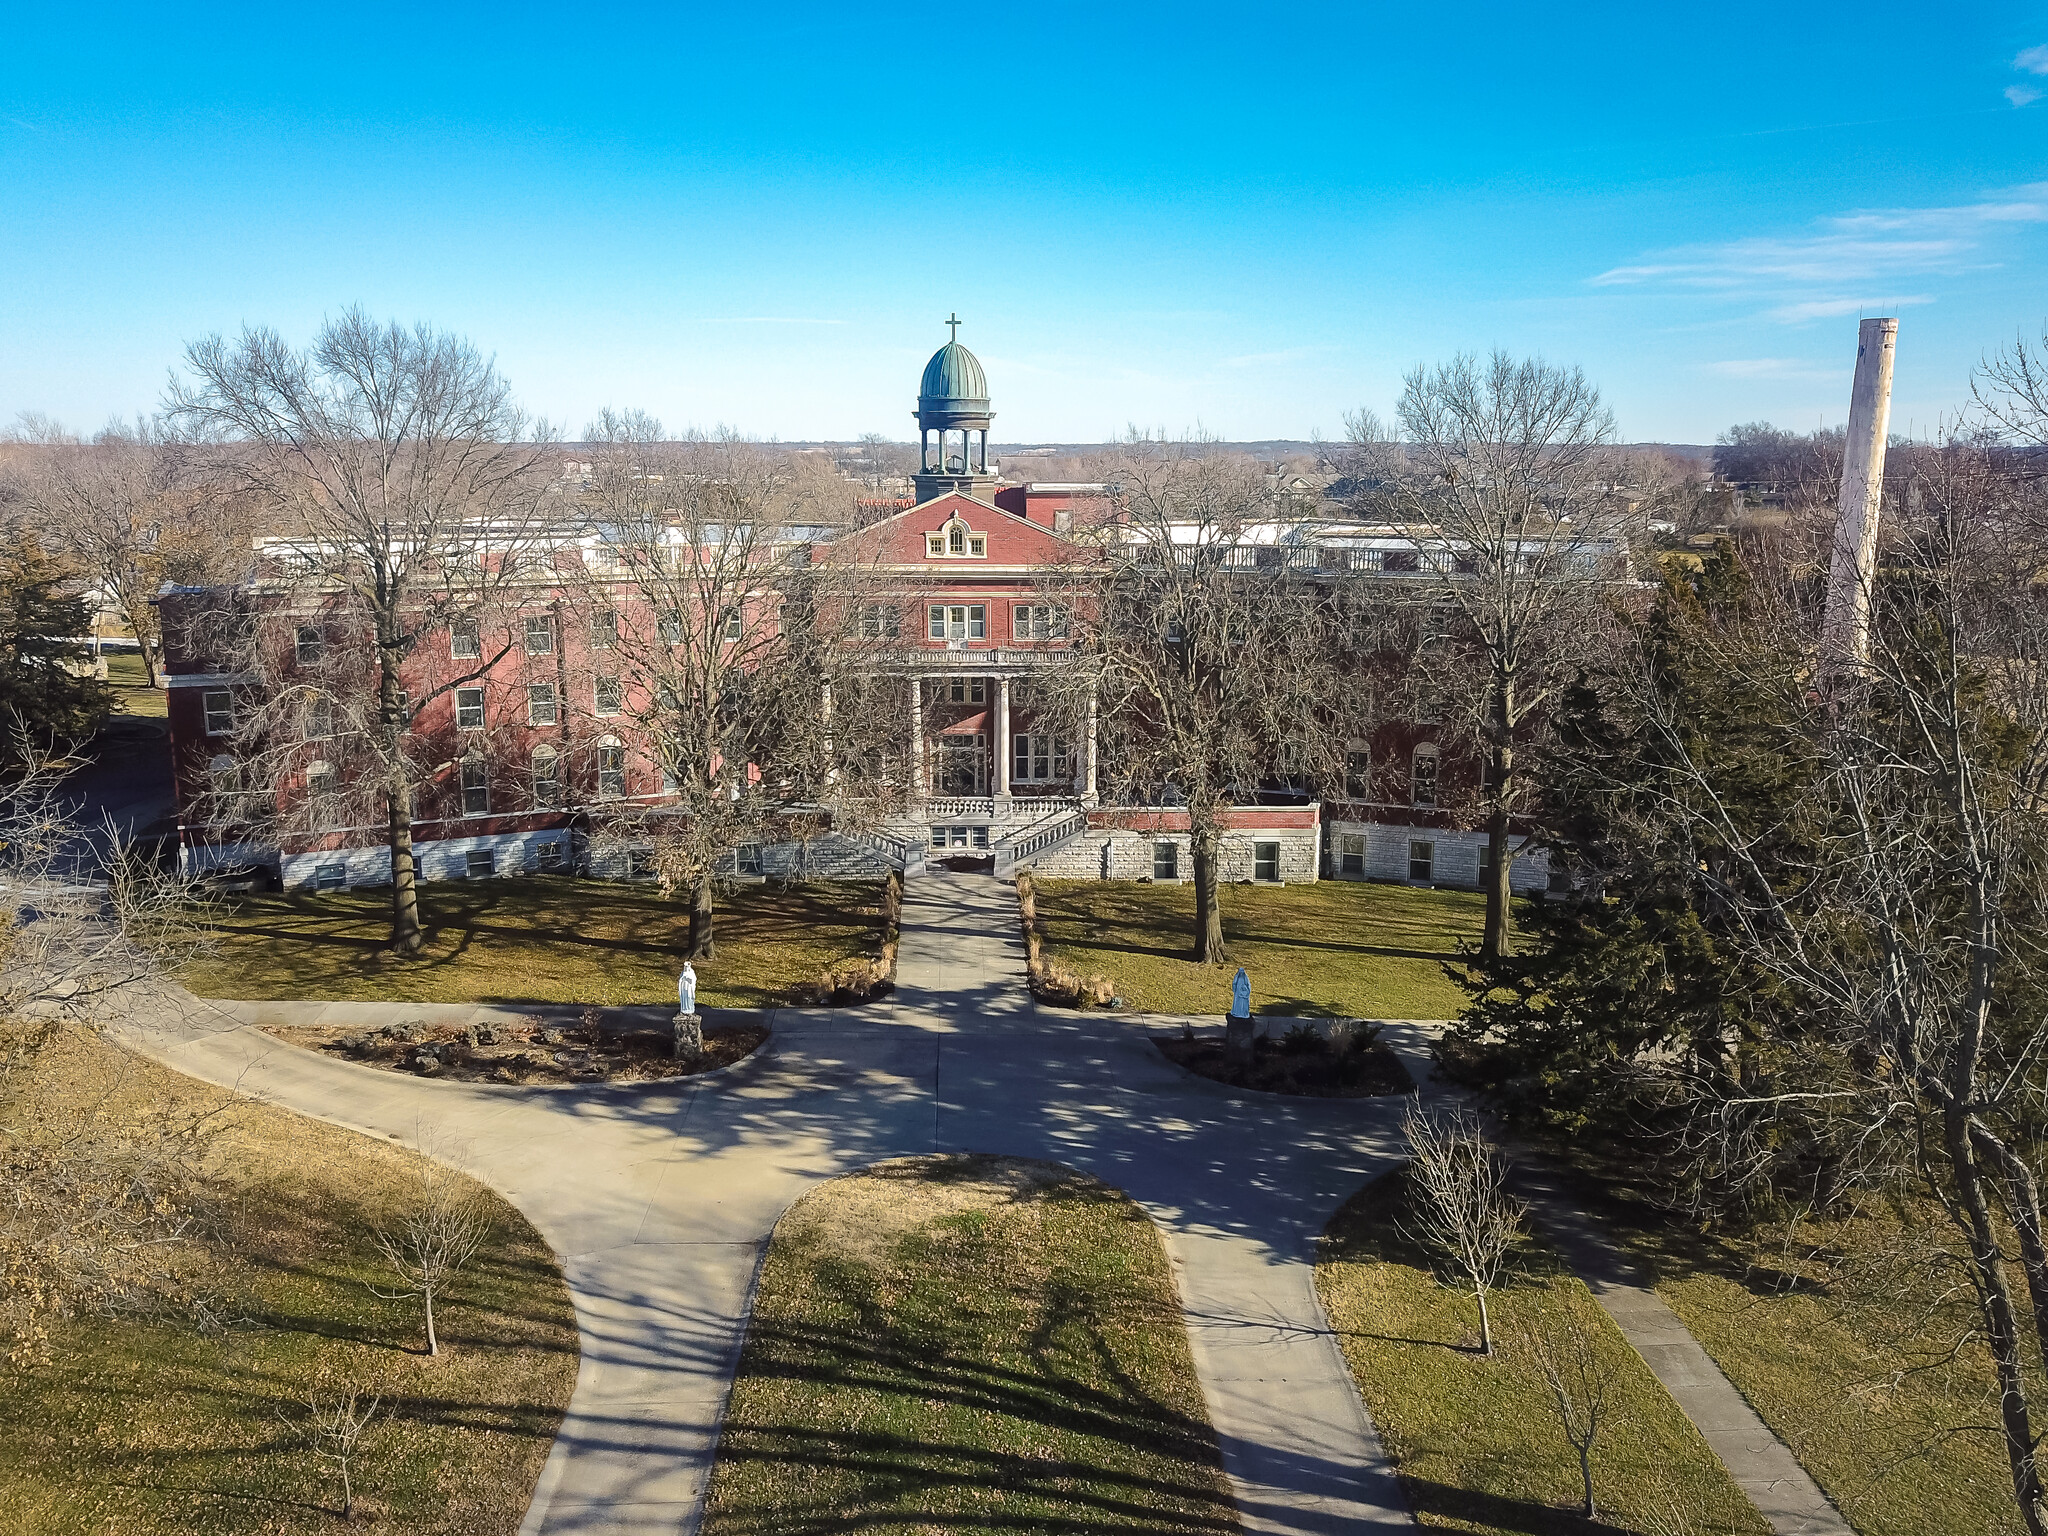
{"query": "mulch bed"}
(537, 1052)
(1318, 1072)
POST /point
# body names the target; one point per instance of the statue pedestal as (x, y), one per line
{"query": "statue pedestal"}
(688, 1039)
(1237, 1040)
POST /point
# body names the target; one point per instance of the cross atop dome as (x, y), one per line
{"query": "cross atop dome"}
(953, 321)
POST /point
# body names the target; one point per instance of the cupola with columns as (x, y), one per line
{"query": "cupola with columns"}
(952, 423)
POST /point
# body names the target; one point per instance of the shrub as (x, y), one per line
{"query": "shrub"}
(1303, 1039)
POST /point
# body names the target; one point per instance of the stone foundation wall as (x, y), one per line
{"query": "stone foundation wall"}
(1455, 861)
(1123, 855)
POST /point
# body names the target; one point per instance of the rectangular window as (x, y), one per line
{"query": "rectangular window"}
(540, 634)
(967, 690)
(1166, 861)
(938, 837)
(319, 719)
(735, 626)
(220, 711)
(465, 640)
(330, 877)
(880, 621)
(604, 630)
(746, 859)
(469, 709)
(977, 547)
(1036, 757)
(935, 544)
(670, 628)
(979, 835)
(611, 771)
(957, 836)
(1421, 860)
(958, 621)
(476, 787)
(1039, 621)
(547, 776)
(1265, 861)
(609, 696)
(480, 864)
(548, 856)
(309, 646)
(937, 627)
(1351, 854)
(540, 704)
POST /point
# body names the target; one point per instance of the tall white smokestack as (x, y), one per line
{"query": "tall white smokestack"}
(1845, 627)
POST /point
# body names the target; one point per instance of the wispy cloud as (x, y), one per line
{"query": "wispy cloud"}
(763, 320)
(2033, 60)
(1848, 262)
(2022, 95)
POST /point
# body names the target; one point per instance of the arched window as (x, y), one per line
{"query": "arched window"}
(547, 776)
(1422, 777)
(956, 540)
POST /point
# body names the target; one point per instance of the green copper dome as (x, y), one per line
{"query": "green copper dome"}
(953, 380)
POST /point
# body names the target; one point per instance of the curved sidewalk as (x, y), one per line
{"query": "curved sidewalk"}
(660, 1199)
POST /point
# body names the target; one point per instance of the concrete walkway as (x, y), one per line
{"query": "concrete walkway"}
(1761, 1464)
(660, 1199)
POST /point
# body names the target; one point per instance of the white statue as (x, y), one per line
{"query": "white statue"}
(1241, 995)
(686, 989)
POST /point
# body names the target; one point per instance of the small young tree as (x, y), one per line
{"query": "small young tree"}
(1458, 1199)
(1582, 1380)
(444, 1221)
(333, 1431)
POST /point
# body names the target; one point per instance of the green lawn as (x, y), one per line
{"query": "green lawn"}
(1478, 1445)
(132, 694)
(149, 1428)
(1334, 949)
(539, 939)
(966, 1344)
(1852, 1358)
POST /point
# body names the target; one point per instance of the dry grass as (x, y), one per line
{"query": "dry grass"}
(540, 939)
(1334, 949)
(1476, 1441)
(967, 1343)
(144, 1427)
(132, 695)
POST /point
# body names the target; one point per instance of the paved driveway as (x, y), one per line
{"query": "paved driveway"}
(660, 1200)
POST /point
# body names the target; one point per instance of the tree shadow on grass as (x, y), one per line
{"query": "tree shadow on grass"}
(1492, 1512)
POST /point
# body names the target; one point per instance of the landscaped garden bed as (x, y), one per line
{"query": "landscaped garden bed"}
(1348, 1062)
(533, 1052)
(966, 1344)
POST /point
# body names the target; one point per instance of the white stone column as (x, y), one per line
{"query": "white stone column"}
(1088, 784)
(1002, 738)
(1845, 626)
(917, 738)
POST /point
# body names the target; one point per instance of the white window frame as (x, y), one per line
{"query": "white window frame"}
(957, 621)
(1418, 778)
(542, 707)
(604, 629)
(1259, 857)
(598, 706)
(319, 718)
(547, 856)
(1350, 847)
(1425, 860)
(489, 861)
(547, 786)
(474, 776)
(1167, 853)
(735, 627)
(543, 625)
(218, 705)
(308, 644)
(611, 770)
(323, 796)
(465, 640)
(1038, 621)
(469, 709)
(966, 690)
(330, 877)
(881, 621)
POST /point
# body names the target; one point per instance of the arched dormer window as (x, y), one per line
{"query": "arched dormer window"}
(956, 541)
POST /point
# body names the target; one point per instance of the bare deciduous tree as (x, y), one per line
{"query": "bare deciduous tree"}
(1582, 1380)
(1206, 658)
(445, 1220)
(413, 491)
(333, 1429)
(1459, 1203)
(1502, 470)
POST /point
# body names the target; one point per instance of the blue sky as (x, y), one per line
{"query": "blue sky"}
(1244, 218)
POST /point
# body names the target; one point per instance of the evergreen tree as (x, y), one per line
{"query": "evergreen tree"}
(46, 683)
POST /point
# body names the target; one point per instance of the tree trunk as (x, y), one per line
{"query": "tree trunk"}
(702, 944)
(1485, 1322)
(1206, 845)
(2001, 1330)
(1493, 943)
(1586, 1481)
(406, 936)
(433, 1343)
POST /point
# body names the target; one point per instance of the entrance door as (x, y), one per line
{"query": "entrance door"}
(962, 766)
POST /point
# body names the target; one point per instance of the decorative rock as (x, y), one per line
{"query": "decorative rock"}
(482, 1034)
(427, 1066)
(689, 1036)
